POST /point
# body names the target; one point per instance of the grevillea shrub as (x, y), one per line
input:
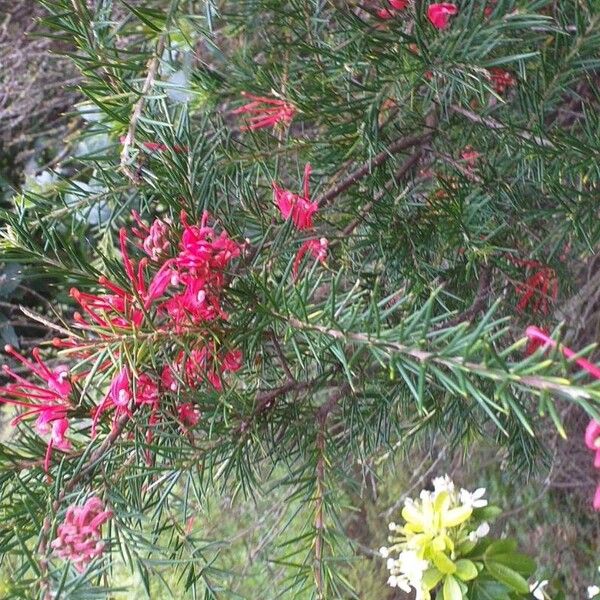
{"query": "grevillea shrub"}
(287, 241)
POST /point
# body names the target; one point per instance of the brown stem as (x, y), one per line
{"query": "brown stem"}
(376, 161)
(137, 110)
(483, 291)
(493, 124)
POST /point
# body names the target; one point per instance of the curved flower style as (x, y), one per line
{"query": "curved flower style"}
(265, 112)
(439, 14)
(50, 403)
(295, 207)
(79, 536)
(316, 248)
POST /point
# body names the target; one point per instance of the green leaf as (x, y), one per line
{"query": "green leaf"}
(451, 590)
(486, 589)
(432, 577)
(507, 576)
(487, 513)
(501, 547)
(466, 569)
(443, 563)
(520, 563)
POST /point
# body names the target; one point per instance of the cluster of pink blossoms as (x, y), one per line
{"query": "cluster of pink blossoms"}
(49, 403)
(440, 13)
(79, 535)
(265, 112)
(540, 339)
(391, 8)
(185, 291)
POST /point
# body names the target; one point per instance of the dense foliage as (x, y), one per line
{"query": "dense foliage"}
(294, 237)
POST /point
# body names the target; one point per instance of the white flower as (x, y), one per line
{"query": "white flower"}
(593, 591)
(392, 526)
(426, 495)
(412, 567)
(480, 532)
(391, 564)
(384, 552)
(536, 589)
(443, 484)
(475, 499)
(392, 581)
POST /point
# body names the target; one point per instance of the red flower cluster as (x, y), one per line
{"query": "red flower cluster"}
(293, 206)
(316, 248)
(439, 14)
(184, 290)
(49, 402)
(265, 112)
(539, 289)
(501, 79)
(203, 363)
(79, 536)
(300, 209)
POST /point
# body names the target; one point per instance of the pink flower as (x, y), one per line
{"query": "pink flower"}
(592, 435)
(592, 432)
(439, 14)
(318, 250)
(592, 440)
(201, 365)
(79, 535)
(299, 208)
(188, 414)
(118, 397)
(50, 403)
(533, 332)
(266, 112)
(470, 156)
(390, 13)
(501, 79)
(155, 238)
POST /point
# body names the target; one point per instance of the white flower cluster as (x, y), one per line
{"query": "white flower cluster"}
(408, 569)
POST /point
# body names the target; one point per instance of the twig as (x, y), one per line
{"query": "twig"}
(137, 110)
(532, 381)
(281, 356)
(483, 291)
(319, 521)
(376, 161)
(493, 124)
(406, 166)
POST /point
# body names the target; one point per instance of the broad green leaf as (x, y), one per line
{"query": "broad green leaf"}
(451, 590)
(466, 569)
(507, 576)
(443, 563)
(432, 577)
(520, 563)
